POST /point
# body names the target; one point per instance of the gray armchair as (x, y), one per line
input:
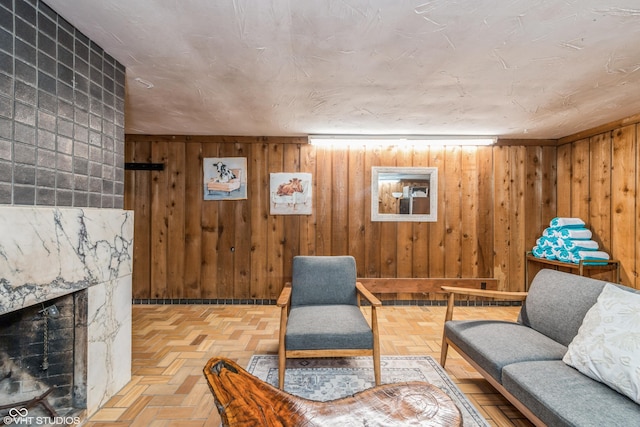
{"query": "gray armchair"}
(321, 316)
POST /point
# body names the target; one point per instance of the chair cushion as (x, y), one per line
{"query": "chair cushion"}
(321, 327)
(494, 344)
(323, 280)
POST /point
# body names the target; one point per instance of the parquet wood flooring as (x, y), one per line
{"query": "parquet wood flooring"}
(172, 343)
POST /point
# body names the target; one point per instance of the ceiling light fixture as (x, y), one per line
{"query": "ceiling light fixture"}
(400, 140)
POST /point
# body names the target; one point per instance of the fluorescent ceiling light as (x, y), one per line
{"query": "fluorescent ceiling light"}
(401, 140)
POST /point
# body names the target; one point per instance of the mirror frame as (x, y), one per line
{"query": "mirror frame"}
(431, 173)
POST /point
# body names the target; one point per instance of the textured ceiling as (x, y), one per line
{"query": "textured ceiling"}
(517, 69)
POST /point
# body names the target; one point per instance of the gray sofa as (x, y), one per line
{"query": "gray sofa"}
(523, 359)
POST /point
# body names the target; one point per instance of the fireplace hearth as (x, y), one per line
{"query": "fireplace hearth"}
(65, 311)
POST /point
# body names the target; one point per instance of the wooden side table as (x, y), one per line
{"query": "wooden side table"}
(580, 268)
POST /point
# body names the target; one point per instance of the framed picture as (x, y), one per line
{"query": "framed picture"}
(225, 178)
(290, 193)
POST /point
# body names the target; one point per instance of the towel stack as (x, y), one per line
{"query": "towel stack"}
(567, 240)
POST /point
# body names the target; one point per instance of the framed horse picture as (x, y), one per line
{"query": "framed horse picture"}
(225, 178)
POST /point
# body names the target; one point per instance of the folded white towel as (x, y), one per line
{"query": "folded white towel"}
(595, 255)
(574, 233)
(566, 222)
(581, 245)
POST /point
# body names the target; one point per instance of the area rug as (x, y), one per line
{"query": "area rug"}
(332, 378)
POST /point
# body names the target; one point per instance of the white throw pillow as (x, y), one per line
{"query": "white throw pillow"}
(607, 347)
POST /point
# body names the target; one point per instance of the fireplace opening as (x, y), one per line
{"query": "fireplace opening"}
(43, 362)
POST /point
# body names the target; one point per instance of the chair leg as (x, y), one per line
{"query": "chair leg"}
(448, 316)
(376, 368)
(376, 345)
(282, 362)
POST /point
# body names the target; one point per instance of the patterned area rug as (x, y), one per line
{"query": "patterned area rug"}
(333, 378)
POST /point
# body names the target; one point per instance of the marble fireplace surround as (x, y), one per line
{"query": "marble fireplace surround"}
(47, 252)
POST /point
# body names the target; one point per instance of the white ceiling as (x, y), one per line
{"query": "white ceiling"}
(517, 69)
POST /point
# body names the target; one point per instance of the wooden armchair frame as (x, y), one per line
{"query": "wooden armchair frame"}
(453, 291)
(284, 302)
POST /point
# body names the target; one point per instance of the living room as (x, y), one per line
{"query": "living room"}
(493, 202)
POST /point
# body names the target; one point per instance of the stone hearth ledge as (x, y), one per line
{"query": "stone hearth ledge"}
(47, 252)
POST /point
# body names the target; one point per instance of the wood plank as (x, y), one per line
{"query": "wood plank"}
(563, 189)
(485, 171)
(420, 237)
(193, 199)
(425, 285)
(226, 236)
(356, 207)
(437, 230)
(176, 204)
(452, 214)
(501, 208)
(515, 280)
(549, 202)
(209, 218)
(241, 284)
(372, 232)
(323, 202)
(600, 189)
(388, 230)
(258, 182)
(340, 202)
(636, 270)
(291, 223)
(469, 214)
(159, 221)
(623, 181)
(308, 222)
(274, 274)
(580, 179)
(141, 277)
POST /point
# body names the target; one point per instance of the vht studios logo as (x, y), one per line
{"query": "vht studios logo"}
(20, 416)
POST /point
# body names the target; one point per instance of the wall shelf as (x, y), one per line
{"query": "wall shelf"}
(582, 268)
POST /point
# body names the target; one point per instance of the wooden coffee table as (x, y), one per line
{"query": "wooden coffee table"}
(245, 400)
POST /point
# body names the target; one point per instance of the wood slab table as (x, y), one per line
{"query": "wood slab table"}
(244, 400)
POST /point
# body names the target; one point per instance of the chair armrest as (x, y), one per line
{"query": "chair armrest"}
(285, 295)
(511, 296)
(375, 302)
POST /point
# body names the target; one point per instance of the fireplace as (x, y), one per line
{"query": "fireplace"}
(42, 359)
(65, 311)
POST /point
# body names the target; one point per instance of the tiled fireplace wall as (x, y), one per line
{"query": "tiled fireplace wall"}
(62, 227)
(61, 113)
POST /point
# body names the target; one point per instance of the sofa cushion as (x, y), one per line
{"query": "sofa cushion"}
(561, 396)
(494, 344)
(557, 302)
(317, 327)
(607, 347)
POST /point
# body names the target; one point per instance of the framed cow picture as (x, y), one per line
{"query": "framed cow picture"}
(225, 178)
(290, 193)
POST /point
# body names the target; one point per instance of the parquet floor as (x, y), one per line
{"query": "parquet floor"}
(172, 343)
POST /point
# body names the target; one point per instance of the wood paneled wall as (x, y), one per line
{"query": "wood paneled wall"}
(493, 202)
(598, 181)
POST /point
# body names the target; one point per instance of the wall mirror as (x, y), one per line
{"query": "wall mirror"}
(404, 194)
